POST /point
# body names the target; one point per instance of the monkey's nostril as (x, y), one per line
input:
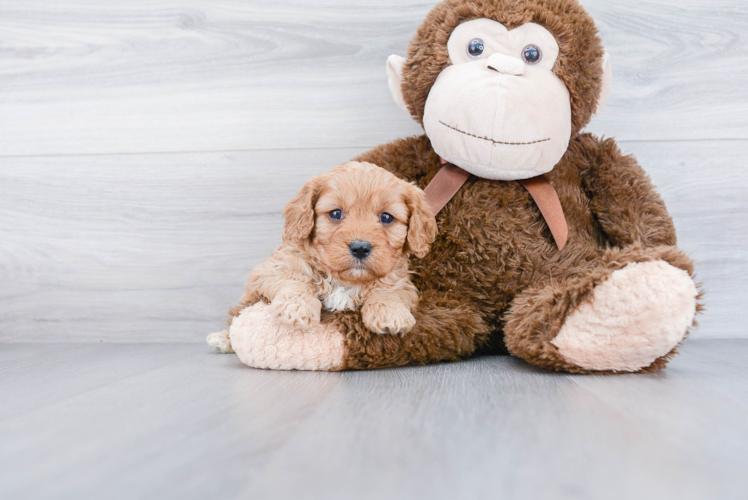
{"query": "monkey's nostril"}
(506, 65)
(360, 249)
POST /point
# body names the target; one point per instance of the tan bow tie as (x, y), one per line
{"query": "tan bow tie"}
(450, 178)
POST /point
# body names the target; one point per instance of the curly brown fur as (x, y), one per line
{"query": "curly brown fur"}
(493, 245)
(494, 256)
(446, 330)
(609, 177)
(537, 314)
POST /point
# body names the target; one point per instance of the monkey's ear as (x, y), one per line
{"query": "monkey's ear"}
(299, 213)
(607, 83)
(395, 79)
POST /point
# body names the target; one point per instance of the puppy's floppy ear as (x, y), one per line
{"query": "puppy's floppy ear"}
(421, 224)
(299, 212)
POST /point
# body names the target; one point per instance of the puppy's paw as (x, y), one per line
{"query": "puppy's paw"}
(300, 311)
(387, 318)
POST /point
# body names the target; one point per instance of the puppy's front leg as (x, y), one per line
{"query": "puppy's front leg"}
(284, 280)
(388, 306)
(387, 317)
(296, 306)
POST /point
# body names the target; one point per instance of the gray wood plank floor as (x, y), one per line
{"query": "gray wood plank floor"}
(177, 421)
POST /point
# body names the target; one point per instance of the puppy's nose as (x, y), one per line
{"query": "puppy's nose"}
(360, 249)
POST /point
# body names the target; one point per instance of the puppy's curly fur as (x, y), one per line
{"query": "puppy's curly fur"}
(315, 267)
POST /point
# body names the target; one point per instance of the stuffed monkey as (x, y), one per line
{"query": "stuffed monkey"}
(587, 281)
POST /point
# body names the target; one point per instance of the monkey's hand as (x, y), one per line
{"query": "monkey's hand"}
(298, 310)
(387, 318)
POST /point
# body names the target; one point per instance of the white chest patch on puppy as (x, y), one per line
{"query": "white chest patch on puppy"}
(342, 297)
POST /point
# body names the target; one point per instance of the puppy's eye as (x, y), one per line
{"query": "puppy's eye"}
(532, 54)
(475, 48)
(336, 215)
(386, 218)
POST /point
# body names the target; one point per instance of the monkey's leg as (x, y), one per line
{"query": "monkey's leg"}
(626, 313)
(446, 330)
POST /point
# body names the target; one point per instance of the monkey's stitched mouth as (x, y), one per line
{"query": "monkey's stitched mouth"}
(492, 140)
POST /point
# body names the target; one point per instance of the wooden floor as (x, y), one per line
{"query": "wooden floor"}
(177, 421)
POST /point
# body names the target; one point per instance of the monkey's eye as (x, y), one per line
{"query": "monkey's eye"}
(475, 48)
(386, 218)
(336, 215)
(532, 54)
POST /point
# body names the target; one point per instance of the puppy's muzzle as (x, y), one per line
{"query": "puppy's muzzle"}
(360, 249)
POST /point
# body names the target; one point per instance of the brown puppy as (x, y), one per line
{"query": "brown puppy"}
(348, 235)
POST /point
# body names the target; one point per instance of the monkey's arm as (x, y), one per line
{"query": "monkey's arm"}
(447, 328)
(622, 196)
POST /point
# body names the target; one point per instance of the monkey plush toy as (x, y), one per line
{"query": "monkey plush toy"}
(553, 246)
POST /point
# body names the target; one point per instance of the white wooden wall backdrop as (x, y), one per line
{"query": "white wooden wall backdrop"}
(147, 147)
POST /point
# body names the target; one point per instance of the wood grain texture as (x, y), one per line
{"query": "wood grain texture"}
(93, 77)
(205, 426)
(84, 368)
(706, 192)
(139, 247)
(237, 103)
(155, 248)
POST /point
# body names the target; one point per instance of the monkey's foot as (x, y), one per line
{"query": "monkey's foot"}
(639, 314)
(261, 342)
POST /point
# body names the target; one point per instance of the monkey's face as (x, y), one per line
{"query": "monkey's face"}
(498, 111)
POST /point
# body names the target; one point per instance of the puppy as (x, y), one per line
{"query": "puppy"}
(348, 235)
